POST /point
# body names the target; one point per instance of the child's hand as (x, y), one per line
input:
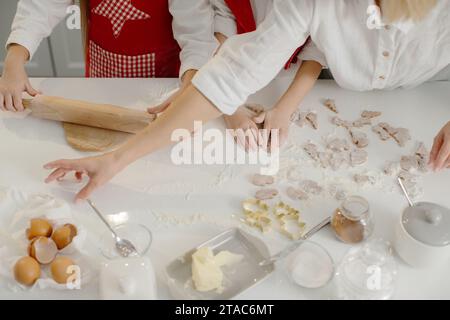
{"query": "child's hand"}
(245, 128)
(14, 81)
(99, 169)
(440, 154)
(278, 119)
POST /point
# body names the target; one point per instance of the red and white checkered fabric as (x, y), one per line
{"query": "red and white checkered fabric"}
(105, 64)
(119, 12)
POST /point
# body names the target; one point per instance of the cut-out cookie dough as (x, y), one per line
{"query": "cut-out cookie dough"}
(311, 150)
(266, 194)
(400, 135)
(304, 118)
(370, 114)
(331, 105)
(364, 179)
(362, 122)
(312, 118)
(381, 132)
(341, 123)
(311, 187)
(358, 157)
(296, 194)
(337, 145)
(262, 180)
(359, 138)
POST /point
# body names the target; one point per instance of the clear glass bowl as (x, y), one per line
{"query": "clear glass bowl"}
(139, 235)
(367, 273)
(310, 266)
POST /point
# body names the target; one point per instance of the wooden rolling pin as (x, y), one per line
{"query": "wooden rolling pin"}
(89, 114)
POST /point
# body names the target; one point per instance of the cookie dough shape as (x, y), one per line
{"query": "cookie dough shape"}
(266, 194)
(262, 180)
(358, 157)
(330, 105)
(359, 138)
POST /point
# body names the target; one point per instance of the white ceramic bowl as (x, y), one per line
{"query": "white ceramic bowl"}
(416, 253)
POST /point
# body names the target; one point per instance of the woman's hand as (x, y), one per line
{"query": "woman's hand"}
(15, 80)
(440, 154)
(245, 128)
(280, 120)
(99, 169)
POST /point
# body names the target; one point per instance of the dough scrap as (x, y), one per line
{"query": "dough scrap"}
(266, 194)
(362, 122)
(262, 180)
(341, 123)
(382, 133)
(359, 138)
(400, 135)
(311, 187)
(338, 145)
(358, 157)
(311, 117)
(331, 105)
(370, 114)
(296, 194)
(337, 159)
(363, 179)
(311, 150)
(409, 163)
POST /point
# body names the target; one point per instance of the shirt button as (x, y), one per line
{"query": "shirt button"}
(387, 27)
(386, 54)
(382, 77)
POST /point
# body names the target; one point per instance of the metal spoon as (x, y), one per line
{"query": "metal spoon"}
(400, 182)
(123, 246)
(284, 253)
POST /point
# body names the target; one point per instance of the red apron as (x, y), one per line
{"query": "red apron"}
(245, 22)
(131, 39)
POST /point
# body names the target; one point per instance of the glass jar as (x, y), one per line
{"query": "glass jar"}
(367, 273)
(352, 222)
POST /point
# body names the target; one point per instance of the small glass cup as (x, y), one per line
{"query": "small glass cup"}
(139, 235)
(367, 273)
(310, 266)
(353, 222)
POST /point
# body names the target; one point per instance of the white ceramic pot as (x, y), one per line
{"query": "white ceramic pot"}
(418, 253)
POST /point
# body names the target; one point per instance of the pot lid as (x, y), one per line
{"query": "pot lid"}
(428, 223)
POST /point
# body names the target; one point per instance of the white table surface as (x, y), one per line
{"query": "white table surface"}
(152, 187)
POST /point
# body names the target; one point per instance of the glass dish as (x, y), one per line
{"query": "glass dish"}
(139, 235)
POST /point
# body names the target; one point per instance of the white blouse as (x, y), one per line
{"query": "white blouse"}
(360, 58)
(193, 27)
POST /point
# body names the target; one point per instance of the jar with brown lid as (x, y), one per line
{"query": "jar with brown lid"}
(352, 222)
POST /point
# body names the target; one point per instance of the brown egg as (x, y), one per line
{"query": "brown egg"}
(64, 235)
(27, 271)
(59, 269)
(39, 228)
(43, 249)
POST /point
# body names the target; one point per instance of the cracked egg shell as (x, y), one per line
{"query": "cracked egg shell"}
(27, 271)
(39, 228)
(43, 249)
(64, 235)
(59, 269)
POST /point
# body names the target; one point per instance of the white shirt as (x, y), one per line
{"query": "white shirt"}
(225, 21)
(193, 27)
(360, 58)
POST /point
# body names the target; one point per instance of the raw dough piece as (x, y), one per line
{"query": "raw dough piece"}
(312, 118)
(358, 157)
(341, 123)
(311, 187)
(337, 159)
(90, 139)
(422, 157)
(362, 122)
(402, 136)
(299, 118)
(359, 138)
(409, 163)
(370, 114)
(363, 179)
(262, 180)
(311, 150)
(392, 169)
(382, 133)
(338, 145)
(296, 194)
(324, 159)
(266, 194)
(207, 274)
(331, 105)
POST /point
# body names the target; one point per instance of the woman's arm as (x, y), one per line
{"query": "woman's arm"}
(189, 107)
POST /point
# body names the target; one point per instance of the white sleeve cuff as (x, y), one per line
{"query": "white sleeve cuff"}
(27, 41)
(311, 53)
(217, 89)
